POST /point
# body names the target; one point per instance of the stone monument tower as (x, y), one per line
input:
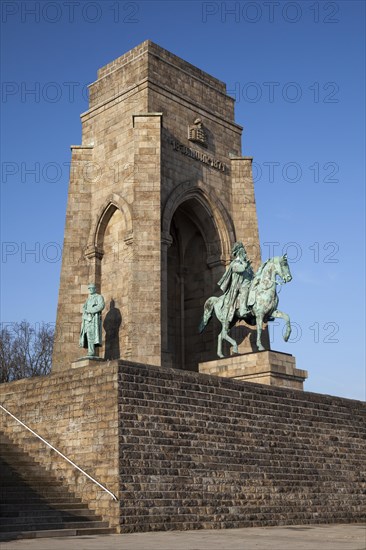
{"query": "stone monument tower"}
(158, 194)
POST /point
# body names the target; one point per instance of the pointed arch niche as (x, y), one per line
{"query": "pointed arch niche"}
(109, 252)
(196, 253)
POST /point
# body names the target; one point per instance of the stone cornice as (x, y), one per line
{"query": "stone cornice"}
(174, 96)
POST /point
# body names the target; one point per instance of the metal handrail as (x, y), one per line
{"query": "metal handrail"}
(63, 456)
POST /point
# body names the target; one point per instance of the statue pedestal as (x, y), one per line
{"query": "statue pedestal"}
(86, 362)
(263, 367)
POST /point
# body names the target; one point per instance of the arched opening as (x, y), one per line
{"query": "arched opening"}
(113, 281)
(193, 269)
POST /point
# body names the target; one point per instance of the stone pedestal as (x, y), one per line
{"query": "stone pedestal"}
(87, 362)
(264, 367)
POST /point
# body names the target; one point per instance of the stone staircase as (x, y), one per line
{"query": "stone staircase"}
(34, 504)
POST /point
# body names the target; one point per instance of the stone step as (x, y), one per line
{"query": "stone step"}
(13, 455)
(33, 503)
(53, 484)
(50, 533)
(29, 505)
(45, 490)
(24, 509)
(24, 486)
(19, 468)
(8, 528)
(39, 500)
(13, 517)
(16, 463)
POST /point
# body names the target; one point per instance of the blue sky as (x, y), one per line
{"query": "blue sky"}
(297, 71)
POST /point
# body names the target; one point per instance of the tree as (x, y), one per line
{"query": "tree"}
(25, 351)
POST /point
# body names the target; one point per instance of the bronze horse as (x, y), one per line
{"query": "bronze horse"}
(262, 300)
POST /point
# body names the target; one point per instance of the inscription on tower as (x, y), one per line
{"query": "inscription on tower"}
(199, 155)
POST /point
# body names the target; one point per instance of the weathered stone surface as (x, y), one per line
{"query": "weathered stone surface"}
(87, 362)
(34, 504)
(199, 451)
(77, 413)
(187, 451)
(151, 218)
(151, 215)
(265, 367)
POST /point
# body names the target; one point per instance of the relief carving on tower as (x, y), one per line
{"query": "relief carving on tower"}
(196, 132)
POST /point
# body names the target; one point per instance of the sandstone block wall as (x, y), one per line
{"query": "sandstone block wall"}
(204, 452)
(144, 202)
(76, 413)
(265, 367)
(184, 450)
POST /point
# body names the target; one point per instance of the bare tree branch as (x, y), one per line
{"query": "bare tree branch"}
(25, 351)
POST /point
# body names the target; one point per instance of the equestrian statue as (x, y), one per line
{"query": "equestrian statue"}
(248, 296)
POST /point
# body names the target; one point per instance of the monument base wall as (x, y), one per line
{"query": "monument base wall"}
(199, 451)
(185, 450)
(76, 412)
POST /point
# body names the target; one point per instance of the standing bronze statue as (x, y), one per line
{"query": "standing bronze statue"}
(91, 324)
(250, 297)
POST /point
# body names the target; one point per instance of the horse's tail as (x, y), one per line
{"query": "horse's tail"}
(207, 313)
